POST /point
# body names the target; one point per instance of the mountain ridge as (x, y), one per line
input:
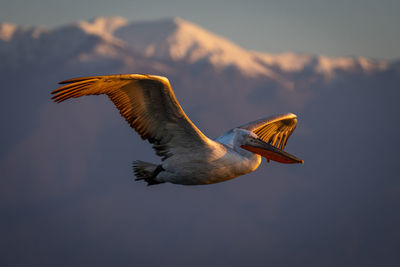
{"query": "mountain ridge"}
(165, 40)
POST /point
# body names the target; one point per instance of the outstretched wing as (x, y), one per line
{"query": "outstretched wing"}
(275, 130)
(147, 103)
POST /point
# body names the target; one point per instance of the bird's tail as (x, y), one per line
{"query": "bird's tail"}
(147, 171)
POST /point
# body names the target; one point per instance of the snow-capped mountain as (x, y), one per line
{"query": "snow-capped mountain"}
(168, 40)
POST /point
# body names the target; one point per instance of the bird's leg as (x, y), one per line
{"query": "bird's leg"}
(152, 180)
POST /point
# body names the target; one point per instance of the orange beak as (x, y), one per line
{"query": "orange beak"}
(270, 152)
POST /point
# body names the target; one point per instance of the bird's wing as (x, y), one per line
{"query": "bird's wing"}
(275, 130)
(147, 103)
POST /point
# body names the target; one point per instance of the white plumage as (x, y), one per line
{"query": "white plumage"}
(149, 105)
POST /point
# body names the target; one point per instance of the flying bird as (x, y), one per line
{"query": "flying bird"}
(188, 157)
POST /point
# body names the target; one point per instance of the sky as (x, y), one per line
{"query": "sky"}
(334, 28)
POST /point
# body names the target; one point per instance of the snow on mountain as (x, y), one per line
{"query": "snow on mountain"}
(10, 31)
(288, 62)
(102, 26)
(326, 66)
(22, 46)
(7, 31)
(180, 40)
(18, 44)
(164, 41)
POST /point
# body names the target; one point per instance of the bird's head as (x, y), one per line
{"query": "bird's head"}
(251, 142)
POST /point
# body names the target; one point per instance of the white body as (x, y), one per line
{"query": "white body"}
(224, 160)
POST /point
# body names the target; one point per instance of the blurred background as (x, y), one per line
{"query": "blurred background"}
(67, 190)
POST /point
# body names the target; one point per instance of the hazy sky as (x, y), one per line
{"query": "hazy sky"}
(335, 28)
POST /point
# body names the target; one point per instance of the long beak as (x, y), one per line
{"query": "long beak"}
(268, 151)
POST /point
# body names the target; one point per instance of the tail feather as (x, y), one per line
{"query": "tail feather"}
(147, 171)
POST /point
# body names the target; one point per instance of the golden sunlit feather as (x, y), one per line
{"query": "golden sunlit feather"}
(146, 102)
(274, 130)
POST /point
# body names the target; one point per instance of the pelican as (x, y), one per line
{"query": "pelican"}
(188, 157)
